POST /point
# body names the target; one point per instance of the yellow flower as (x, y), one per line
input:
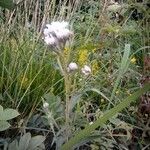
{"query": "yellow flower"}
(83, 56)
(95, 67)
(133, 60)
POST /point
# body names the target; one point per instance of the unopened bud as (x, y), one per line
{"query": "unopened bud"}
(45, 105)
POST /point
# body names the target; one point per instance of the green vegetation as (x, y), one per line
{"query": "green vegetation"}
(49, 99)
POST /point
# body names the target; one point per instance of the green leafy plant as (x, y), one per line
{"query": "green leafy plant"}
(27, 142)
(7, 4)
(82, 135)
(6, 114)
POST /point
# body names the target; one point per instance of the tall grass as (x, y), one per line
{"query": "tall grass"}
(26, 64)
(28, 68)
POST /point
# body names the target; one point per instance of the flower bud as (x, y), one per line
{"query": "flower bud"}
(86, 70)
(72, 66)
(45, 105)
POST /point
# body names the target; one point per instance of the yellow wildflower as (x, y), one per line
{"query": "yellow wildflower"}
(83, 56)
(133, 60)
(95, 67)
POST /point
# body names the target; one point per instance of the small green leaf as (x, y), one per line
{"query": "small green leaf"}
(7, 4)
(24, 141)
(8, 114)
(35, 142)
(4, 125)
(125, 59)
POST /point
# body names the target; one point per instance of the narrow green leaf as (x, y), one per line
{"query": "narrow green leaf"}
(83, 134)
(125, 58)
(4, 125)
(123, 67)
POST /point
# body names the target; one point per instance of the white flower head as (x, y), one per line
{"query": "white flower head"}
(50, 40)
(56, 33)
(86, 70)
(91, 123)
(45, 105)
(72, 66)
(46, 32)
(61, 25)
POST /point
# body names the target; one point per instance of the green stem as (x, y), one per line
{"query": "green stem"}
(67, 93)
(60, 65)
(83, 134)
(62, 62)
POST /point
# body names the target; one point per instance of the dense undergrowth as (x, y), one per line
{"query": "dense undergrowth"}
(112, 38)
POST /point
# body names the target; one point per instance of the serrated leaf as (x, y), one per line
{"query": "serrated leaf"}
(35, 142)
(24, 141)
(8, 114)
(4, 125)
(7, 4)
(13, 145)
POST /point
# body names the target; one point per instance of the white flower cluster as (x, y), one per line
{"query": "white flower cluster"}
(57, 33)
(86, 70)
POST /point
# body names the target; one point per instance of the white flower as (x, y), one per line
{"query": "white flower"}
(45, 105)
(61, 25)
(63, 34)
(50, 40)
(91, 123)
(46, 32)
(56, 33)
(86, 70)
(72, 66)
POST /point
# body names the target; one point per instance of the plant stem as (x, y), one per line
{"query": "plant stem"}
(67, 93)
(62, 62)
